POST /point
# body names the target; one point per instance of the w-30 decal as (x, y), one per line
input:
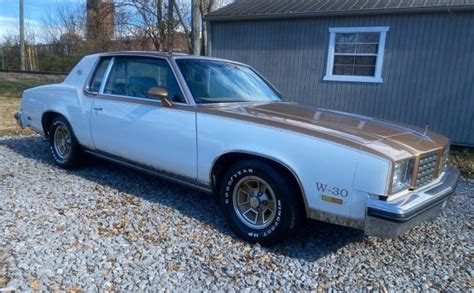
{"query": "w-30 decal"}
(336, 191)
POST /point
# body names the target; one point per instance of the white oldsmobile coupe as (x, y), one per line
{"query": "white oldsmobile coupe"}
(219, 126)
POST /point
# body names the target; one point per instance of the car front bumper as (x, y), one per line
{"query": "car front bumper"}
(17, 117)
(392, 218)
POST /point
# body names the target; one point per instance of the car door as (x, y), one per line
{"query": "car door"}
(130, 126)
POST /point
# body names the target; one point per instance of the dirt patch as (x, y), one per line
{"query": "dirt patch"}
(463, 158)
(15, 131)
(3, 269)
(8, 106)
(8, 125)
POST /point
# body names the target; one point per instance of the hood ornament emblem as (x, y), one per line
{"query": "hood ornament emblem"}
(425, 134)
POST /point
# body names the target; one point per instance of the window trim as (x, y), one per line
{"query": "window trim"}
(106, 76)
(377, 78)
(94, 68)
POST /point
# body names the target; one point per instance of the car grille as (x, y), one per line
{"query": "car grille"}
(426, 169)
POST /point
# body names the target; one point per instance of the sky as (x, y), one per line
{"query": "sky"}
(35, 12)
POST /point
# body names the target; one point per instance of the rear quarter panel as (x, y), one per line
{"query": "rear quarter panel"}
(66, 98)
(61, 99)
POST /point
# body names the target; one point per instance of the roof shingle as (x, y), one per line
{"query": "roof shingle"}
(256, 9)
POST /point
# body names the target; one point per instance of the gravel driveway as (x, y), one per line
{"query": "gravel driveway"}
(104, 227)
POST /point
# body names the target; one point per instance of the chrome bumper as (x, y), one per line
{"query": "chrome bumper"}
(17, 117)
(390, 219)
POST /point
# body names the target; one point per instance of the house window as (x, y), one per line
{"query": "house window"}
(356, 54)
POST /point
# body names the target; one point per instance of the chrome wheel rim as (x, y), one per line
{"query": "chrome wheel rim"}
(62, 141)
(254, 202)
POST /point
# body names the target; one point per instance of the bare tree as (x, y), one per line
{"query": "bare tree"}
(196, 20)
(184, 25)
(170, 21)
(135, 22)
(207, 6)
(142, 19)
(145, 19)
(69, 19)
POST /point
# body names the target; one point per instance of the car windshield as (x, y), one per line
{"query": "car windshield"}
(212, 81)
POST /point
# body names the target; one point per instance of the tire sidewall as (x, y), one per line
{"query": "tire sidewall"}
(71, 159)
(284, 219)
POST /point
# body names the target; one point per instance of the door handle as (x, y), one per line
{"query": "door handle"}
(98, 108)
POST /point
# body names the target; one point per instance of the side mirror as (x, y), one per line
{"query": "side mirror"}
(160, 93)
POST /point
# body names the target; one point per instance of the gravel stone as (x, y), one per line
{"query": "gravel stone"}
(107, 228)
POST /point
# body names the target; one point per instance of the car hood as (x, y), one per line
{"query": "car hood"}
(390, 140)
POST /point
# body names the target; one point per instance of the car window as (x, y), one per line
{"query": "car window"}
(212, 81)
(134, 76)
(99, 73)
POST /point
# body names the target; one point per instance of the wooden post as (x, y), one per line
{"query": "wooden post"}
(30, 65)
(3, 58)
(22, 37)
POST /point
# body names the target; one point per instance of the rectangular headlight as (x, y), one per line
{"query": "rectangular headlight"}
(402, 175)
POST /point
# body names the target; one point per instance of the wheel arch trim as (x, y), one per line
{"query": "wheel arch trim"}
(267, 157)
(56, 113)
(43, 119)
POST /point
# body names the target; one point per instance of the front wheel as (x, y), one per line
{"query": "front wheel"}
(65, 148)
(259, 202)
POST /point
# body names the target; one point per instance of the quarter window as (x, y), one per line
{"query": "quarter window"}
(134, 76)
(356, 54)
(96, 81)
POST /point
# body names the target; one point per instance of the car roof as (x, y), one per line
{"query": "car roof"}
(140, 53)
(164, 55)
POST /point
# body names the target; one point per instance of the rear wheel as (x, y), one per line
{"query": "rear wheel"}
(64, 146)
(259, 202)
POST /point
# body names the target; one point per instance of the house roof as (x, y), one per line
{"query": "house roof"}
(260, 9)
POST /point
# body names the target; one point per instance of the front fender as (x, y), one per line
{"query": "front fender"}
(315, 162)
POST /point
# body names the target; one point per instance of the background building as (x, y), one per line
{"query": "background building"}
(410, 61)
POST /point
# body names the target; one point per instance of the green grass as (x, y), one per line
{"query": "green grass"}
(12, 89)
